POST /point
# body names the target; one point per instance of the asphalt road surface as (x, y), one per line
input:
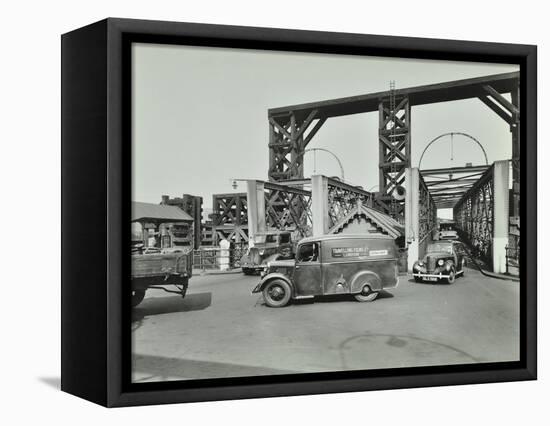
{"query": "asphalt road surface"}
(221, 330)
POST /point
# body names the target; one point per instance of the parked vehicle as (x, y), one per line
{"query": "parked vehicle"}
(449, 234)
(444, 260)
(360, 265)
(267, 246)
(447, 231)
(159, 270)
(141, 249)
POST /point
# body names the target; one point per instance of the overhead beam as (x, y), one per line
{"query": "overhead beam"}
(449, 182)
(314, 131)
(306, 124)
(495, 108)
(453, 170)
(501, 99)
(418, 95)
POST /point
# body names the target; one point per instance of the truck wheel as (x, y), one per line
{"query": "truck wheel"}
(276, 293)
(366, 295)
(137, 297)
(452, 276)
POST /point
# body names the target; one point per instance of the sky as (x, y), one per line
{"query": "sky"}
(199, 116)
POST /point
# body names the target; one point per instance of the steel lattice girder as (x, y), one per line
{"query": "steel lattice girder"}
(342, 198)
(288, 139)
(230, 216)
(448, 185)
(394, 151)
(474, 214)
(427, 216)
(288, 208)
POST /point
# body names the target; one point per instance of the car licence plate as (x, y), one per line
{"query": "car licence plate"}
(430, 278)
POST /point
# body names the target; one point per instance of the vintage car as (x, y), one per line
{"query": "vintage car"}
(159, 270)
(447, 231)
(267, 246)
(360, 265)
(444, 260)
(448, 234)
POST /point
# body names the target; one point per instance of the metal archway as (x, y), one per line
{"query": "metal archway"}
(452, 134)
(331, 153)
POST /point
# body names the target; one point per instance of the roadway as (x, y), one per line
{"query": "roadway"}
(221, 330)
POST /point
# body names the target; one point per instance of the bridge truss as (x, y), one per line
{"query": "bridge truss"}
(482, 216)
(292, 128)
(448, 185)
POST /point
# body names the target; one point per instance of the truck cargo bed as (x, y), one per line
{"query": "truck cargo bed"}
(151, 265)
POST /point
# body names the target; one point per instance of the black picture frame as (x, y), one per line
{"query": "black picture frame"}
(95, 191)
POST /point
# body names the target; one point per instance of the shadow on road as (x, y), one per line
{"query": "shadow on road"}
(157, 368)
(331, 298)
(171, 304)
(370, 351)
(349, 297)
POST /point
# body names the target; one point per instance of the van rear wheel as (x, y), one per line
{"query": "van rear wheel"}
(276, 293)
(366, 295)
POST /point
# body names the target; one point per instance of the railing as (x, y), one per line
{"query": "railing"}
(512, 253)
(217, 258)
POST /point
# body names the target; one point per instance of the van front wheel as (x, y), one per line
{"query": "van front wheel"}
(366, 295)
(276, 293)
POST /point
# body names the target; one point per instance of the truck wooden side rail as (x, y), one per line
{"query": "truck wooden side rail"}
(158, 271)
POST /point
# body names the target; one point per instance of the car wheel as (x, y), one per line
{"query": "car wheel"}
(463, 264)
(452, 276)
(366, 295)
(137, 297)
(276, 293)
(246, 271)
(418, 279)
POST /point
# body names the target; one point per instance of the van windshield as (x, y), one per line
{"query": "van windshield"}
(308, 252)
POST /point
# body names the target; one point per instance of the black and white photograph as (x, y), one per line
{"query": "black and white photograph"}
(274, 213)
(300, 212)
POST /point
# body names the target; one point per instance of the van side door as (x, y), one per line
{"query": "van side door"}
(307, 273)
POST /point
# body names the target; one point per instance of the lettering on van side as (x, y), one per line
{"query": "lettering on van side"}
(378, 253)
(349, 251)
